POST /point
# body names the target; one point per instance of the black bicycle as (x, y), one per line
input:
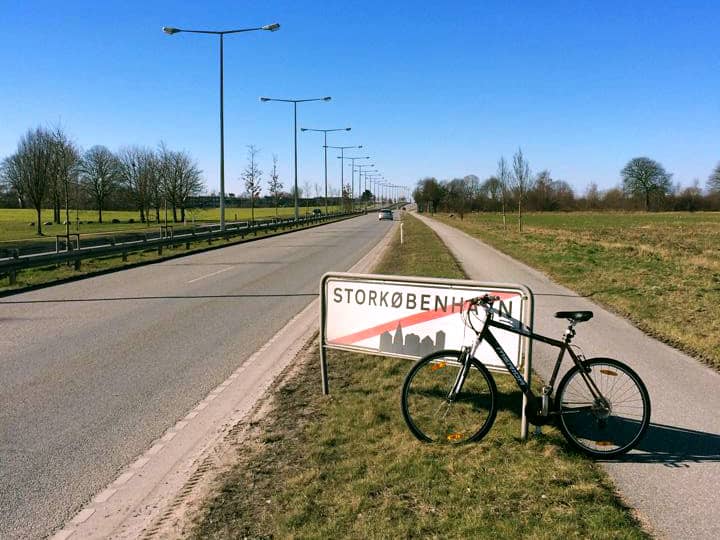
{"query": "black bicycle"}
(601, 406)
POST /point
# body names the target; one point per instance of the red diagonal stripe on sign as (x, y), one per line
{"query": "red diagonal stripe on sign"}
(410, 320)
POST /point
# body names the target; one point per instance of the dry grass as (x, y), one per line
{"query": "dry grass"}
(660, 270)
(346, 466)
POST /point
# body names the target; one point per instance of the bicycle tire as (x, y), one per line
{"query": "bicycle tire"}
(597, 430)
(429, 414)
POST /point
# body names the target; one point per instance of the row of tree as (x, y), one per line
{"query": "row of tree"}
(645, 185)
(48, 169)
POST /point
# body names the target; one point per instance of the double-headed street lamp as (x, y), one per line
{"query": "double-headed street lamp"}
(341, 157)
(352, 160)
(373, 179)
(325, 147)
(295, 102)
(170, 31)
(360, 170)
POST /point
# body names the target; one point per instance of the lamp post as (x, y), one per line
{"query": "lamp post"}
(374, 179)
(295, 102)
(341, 157)
(382, 185)
(170, 31)
(352, 169)
(360, 170)
(325, 147)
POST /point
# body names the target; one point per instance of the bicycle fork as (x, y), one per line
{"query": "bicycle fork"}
(465, 355)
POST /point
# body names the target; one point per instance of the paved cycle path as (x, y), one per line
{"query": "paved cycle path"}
(673, 477)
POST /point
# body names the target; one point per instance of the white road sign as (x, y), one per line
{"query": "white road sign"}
(412, 317)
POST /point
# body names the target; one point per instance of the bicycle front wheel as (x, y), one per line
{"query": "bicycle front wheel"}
(610, 424)
(430, 412)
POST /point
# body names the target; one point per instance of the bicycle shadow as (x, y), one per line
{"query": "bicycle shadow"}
(675, 447)
(669, 445)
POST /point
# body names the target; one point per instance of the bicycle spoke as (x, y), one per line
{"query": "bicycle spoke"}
(610, 424)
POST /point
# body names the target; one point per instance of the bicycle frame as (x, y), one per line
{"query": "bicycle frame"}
(564, 345)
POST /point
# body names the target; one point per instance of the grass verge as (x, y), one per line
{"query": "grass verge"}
(346, 465)
(660, 270)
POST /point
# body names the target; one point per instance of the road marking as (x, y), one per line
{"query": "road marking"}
(140, 463)
(123, 478)
(191, 415)
(210, 275)
(155, 449)
(83, 516)
(105, 495)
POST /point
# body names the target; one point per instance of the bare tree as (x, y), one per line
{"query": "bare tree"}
(252, 176)
(643, 176)
(169, 178)
(458, 195)
(153, 179)
(99, 175)
(191, 182)
(63, 172)
(274, 184)
(11, 176)
(503, 176)
(491, 190)
(33, 166)
(137, 170)
(713, 181)
(522, 181)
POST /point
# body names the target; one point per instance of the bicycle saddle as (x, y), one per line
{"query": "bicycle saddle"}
(577, 316)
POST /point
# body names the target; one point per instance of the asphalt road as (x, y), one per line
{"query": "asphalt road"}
(672, 478)
(93, 371)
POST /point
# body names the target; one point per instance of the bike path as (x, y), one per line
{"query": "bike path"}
(673, 477)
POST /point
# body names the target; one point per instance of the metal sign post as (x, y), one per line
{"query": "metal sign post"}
(410, 317)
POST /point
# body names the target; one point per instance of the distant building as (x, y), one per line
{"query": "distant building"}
(386, 344)
(398, 345)
(411, 344)
(426, 346)
(439, 340)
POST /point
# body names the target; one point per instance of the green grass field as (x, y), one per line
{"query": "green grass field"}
(346, 466)
(660, 270)
(15, 223)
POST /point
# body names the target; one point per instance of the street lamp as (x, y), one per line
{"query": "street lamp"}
(325, 147)
(352, 170)
(374, 179)
(341, 157)
(360, 170)
(169, 30)
(295, 102)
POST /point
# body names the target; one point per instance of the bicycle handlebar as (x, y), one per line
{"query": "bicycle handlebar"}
(486, 300)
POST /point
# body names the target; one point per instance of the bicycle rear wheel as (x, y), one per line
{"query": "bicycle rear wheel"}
(426, 407)
(606, 426)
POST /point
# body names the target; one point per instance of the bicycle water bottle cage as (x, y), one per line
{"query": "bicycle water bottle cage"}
(575, 316)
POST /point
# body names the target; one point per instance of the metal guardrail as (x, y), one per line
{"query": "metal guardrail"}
(9, 267)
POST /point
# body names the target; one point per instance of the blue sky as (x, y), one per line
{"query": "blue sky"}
(429, 88)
